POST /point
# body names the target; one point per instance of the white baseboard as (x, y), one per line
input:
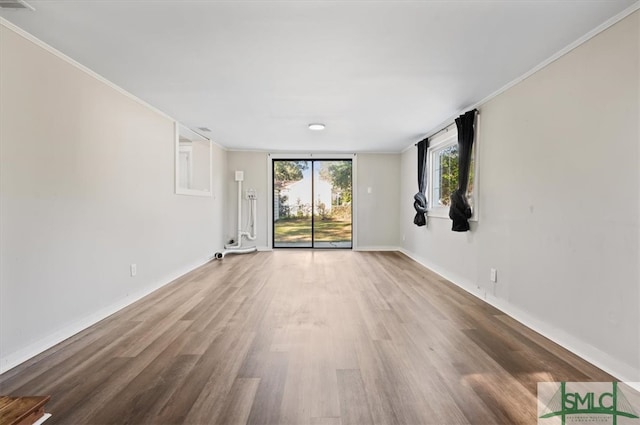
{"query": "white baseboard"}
(264, 248)
(593, 355)
(18, 357)
(42, 419)
(377, 248)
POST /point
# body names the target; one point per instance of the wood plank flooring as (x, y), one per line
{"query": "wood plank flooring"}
(301, 337)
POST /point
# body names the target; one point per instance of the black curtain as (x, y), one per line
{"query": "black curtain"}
(420, 200)
(460, 211)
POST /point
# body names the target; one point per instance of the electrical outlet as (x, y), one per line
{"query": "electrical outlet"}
(494, 275)
(134, 269)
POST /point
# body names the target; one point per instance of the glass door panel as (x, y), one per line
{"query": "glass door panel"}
(292, 209)
(332, 204)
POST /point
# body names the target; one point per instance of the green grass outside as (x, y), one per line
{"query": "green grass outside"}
(299, 230)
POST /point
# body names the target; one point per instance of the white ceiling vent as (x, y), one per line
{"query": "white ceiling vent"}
(15, 4)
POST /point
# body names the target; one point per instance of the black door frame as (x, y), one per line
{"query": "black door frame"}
(273, 220)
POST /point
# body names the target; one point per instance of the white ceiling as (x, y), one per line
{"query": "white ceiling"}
(379, 74)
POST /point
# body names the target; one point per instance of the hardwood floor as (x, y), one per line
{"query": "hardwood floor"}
(301, 337)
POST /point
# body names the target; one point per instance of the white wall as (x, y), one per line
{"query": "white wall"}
(254, 165)
(559, 203)
(378, 213)
(87, 185)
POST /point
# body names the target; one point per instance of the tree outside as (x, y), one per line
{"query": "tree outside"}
(339, 173)
(289, 171)
(447, 169)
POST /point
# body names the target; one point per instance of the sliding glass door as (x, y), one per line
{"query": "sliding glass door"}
(312, 203)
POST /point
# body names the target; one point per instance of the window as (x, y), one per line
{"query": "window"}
(193, 162)
(442, 163)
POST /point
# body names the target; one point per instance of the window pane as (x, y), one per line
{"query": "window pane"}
(447, 175)
(444, 175)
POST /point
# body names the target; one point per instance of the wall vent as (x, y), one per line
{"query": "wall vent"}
(15, 4)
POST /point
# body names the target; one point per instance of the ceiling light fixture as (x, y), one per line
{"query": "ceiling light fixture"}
(316, 127)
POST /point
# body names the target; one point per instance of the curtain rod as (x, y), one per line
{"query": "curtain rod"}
(426, 138)
(436, 132)
(443, 128)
